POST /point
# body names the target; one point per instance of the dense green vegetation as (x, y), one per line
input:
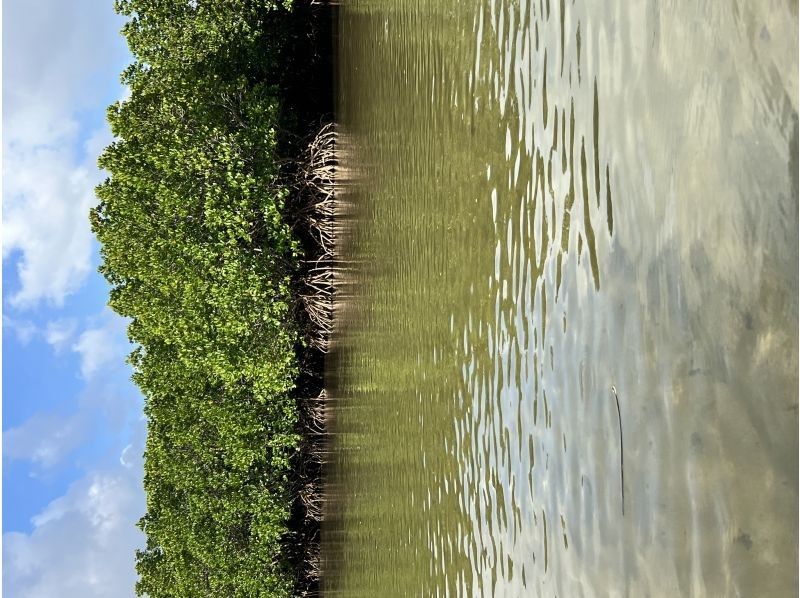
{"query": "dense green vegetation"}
(196, 246)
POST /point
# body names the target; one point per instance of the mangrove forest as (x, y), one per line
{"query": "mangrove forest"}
(212, 224)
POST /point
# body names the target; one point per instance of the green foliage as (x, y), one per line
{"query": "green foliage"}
(199, 258)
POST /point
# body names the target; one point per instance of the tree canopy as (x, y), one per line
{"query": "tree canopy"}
(199, 257)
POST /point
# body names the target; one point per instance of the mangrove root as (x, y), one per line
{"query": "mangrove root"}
(319, 182)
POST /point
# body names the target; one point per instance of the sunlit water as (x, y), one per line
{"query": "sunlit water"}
(549, 199)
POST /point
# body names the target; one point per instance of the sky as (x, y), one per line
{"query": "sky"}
(73, 430)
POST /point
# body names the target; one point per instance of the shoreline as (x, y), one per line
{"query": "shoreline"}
(310, 212)
(315, 289)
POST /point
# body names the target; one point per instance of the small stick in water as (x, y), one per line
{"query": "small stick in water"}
(621, 454)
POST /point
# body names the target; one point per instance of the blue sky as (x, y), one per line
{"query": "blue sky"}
(73, 434)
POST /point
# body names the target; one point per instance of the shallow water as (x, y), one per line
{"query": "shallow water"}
(548, 199)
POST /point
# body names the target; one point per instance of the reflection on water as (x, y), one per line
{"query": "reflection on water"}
(554, 199)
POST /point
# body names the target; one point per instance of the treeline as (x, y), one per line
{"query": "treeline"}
(202, 253)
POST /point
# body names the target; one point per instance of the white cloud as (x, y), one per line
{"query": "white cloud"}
(97, 141)
(46, 205)
(103, 345)
(46, 439)
(56, 54)
(124, 458)
(96, 350)
(24, 330)
(82, 544)
(59, 333)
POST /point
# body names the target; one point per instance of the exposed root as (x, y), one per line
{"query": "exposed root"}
(312, 415)
(316, 194)
(312, 500)
(312, 564)
(319, 184)
(309, 502)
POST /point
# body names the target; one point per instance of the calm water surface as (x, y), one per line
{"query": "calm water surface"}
(547, 199)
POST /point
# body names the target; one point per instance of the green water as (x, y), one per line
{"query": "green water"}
(544, 200)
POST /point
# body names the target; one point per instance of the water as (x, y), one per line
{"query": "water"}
(549, 199)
